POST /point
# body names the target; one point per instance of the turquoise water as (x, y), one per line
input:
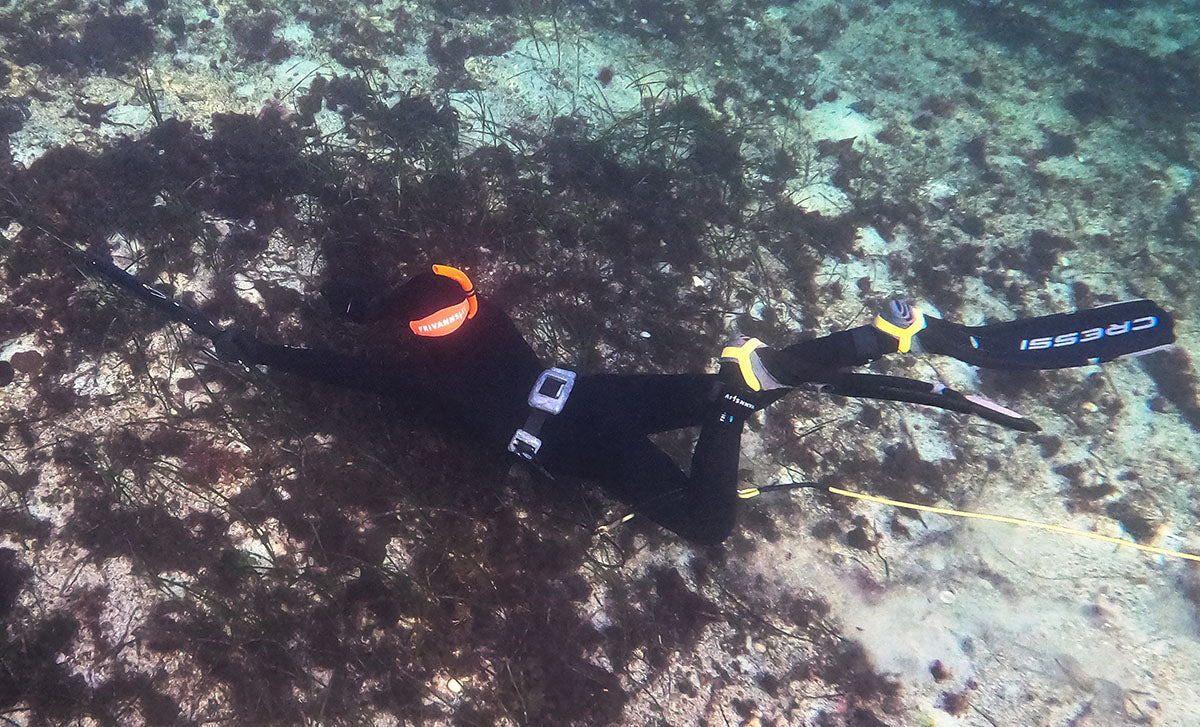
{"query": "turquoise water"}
(187, 541)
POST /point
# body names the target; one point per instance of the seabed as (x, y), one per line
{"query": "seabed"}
(187, 542)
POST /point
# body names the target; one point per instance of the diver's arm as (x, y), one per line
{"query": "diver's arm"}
(362, 303)
(316, 364)
(321, 365)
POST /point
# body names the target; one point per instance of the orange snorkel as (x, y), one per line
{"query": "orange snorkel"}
(447, 320)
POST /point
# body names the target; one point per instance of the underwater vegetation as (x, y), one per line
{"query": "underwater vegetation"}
(314, 555)
(407, 560)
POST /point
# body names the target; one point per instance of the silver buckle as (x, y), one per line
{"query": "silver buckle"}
(524, 444)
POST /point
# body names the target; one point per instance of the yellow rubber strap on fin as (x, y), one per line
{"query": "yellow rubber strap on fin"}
(741, 354)
(903, 336)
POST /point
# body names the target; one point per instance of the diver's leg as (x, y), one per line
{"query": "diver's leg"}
(635, 471)
(598, 445)
(812, 360)
(1061, 340)
(816, 360)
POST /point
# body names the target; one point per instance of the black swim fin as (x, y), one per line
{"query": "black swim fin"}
(1056, 341)
(896, 388)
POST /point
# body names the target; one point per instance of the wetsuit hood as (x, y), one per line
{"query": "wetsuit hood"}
(437, 303)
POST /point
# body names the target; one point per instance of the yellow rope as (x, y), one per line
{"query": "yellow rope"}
(1015, 521)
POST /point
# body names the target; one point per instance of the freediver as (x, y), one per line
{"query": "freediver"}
(460, 363)
(466, 367)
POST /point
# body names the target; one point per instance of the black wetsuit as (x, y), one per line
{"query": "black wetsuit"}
(477, 381)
